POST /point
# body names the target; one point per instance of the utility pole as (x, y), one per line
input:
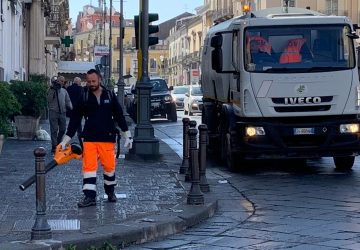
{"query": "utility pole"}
(145, 143)
(110, 48)
(121, 83)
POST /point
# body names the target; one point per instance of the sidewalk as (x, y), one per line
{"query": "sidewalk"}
(152, 201)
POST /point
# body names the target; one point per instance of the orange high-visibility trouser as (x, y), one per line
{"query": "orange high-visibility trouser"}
(92, 152)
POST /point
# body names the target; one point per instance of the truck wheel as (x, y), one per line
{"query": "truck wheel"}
(231, 158)
(344, 163)
(172, 115)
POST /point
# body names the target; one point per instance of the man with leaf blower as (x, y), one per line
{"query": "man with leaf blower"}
(101, 110)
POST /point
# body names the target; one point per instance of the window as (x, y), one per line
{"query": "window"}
(315, 48)
(158, 85)
(152, 63)
(133, 42)
(331, 7)
(118, 42)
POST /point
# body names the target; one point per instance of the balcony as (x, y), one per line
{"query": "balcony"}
(221, 15)
(57, 20)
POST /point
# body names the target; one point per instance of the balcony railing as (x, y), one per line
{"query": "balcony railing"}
(57, 20)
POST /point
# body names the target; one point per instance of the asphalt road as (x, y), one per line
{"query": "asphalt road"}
(289, 205)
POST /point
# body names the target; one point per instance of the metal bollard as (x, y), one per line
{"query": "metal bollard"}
(185, 162)
(195, 196)
(204, 185)
(192, 124)
(41, 229)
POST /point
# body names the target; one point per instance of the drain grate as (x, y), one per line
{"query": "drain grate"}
(56, 225)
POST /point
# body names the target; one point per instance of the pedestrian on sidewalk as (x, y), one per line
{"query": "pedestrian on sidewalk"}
(101, 110)
(58, 101)
(76, 93)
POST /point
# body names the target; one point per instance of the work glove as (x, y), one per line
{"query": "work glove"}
(128, 139)
(65, 141)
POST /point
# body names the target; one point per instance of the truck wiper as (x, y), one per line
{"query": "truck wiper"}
(312, 69)
(326, 68)
(285, 70)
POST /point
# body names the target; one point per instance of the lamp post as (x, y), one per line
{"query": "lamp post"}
(121, 83)
(145, 143)
(110, 47)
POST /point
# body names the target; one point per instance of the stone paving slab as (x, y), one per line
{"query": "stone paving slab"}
(155, 203)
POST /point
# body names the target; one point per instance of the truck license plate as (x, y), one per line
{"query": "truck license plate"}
(304, 131)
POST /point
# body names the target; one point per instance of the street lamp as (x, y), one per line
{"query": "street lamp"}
(121, 83)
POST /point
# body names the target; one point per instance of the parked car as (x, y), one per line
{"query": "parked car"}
(178, 94)
(193, 102)
(161, 101)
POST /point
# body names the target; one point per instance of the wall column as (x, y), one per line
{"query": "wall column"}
(37, 35)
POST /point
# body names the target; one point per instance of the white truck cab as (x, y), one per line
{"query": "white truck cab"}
(285, 85)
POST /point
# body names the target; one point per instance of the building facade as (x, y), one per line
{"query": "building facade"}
(30, 32)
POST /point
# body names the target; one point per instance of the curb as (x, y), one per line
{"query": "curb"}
(125, 234)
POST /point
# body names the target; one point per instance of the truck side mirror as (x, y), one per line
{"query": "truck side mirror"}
(216, 55)
(171, 88)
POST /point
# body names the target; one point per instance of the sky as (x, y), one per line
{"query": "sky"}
(166, 9)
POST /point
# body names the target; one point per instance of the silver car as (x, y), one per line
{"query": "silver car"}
(178, 95)
(193, 101)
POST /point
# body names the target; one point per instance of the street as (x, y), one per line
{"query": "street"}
(289, 205)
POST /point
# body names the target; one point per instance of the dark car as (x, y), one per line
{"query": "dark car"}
(161, 102)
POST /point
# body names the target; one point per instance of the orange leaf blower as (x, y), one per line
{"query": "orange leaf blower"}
(72, 151)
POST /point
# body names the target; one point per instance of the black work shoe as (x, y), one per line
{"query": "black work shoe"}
(112, 197)
(87, 202)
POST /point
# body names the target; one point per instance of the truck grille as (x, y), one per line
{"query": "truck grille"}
(303, 108)
(282, 100)
(304, 141)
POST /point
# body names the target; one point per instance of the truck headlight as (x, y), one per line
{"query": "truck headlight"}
(349, 128)
(167, 98)
(254, 131)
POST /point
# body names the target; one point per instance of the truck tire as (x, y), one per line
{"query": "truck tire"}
(344, 163)
(172, 115)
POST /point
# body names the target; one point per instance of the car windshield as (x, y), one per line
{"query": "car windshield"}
(159, 85)
(285, 49)
(196, 91)
(180, 90)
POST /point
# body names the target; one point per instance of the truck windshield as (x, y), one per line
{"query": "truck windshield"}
(159, 85)
(285, 49)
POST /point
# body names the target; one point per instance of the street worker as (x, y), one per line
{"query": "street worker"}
(296, 51)
(259, 50)
(58, 101)
(101, 110)
(75, 92)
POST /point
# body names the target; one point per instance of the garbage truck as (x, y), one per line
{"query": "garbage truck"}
(281, 83)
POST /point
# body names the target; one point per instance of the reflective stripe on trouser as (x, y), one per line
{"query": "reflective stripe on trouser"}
(105, 152)
(109, 182)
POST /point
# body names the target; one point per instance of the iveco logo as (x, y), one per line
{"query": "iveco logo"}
(300, 89)
(302, 100)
